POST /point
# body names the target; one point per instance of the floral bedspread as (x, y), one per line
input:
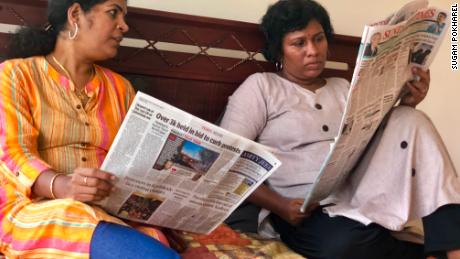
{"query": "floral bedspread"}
(225, 243)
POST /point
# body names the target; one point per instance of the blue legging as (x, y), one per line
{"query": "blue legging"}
(116, 241)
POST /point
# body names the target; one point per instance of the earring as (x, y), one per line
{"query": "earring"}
(74, 35)
(279, 65)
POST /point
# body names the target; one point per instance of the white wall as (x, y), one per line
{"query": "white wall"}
(348, 17)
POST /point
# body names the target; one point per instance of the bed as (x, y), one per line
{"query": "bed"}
(193, 63)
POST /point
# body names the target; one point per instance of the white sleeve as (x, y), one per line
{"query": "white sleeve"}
(246, 112)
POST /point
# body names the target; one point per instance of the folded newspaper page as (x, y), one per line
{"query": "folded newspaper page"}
(178, 171)
(389, 49)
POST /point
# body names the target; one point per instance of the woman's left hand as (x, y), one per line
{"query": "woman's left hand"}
(416, 89)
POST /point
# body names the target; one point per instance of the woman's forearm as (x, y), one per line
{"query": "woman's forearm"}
(268, 199)
(45, 186)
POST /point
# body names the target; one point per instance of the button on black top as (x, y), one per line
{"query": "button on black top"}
(318, 106)
(325, 128)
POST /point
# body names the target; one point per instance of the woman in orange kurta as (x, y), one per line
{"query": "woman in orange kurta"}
(59, 113)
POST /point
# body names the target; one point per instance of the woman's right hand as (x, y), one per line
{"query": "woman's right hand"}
(287, 208)
(85, 185)
(292, 213)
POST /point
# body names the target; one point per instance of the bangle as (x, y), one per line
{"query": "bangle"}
(52, 183)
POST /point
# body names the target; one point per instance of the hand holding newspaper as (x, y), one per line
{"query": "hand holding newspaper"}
(389, 50)
(178, 171)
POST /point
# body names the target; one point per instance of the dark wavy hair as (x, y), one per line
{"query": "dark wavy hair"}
(35, 41)
(287, 16)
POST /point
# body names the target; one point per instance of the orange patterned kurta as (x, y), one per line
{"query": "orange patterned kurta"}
(44, 125)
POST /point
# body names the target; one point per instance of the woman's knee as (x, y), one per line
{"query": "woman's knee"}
(333, 237)
(338, 246)
(330, 245)
(346, 244)
(116, 241)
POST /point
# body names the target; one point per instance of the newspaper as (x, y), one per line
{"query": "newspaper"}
(389, 49)
(178, 171)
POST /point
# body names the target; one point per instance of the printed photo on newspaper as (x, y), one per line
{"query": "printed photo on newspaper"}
(389, 49)
(178, 171)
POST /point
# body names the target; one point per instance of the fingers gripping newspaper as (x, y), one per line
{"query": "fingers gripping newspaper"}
(389, 49)
(178, 171)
